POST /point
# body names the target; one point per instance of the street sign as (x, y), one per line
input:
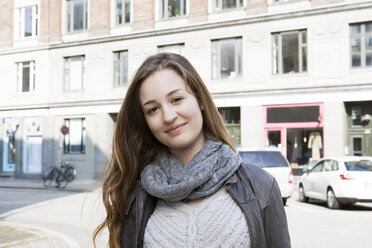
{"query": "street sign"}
(65, 130)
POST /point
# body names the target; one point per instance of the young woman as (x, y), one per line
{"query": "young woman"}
(174, 178)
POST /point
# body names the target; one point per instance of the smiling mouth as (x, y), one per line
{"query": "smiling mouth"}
(175, 129)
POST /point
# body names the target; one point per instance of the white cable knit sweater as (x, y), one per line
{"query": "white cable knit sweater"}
(217, 221)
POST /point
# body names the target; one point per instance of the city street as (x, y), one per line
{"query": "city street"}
(13, 198)
(74, 217)
(314, 225)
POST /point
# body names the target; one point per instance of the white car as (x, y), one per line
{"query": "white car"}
(338, 180)
(272, 161)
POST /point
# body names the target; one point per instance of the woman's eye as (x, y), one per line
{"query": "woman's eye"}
(177, 99)
(152, 110)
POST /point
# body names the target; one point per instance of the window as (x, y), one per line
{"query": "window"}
(361, 44)
(28, 21)
(74, 73)
(289, 52)
(356, 114)
(220, 5)
(227, 58)
(120, 68)
(76, 15)
(318, 167)
(357, 146)
(26, 76)
(74, 141)
(122, 12)
(231, 119)
(177, 48)
(172, 8)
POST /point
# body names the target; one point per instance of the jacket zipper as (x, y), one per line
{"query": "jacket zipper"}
(245, 215)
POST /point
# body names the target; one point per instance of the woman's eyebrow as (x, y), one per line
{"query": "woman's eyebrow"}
(169, 93)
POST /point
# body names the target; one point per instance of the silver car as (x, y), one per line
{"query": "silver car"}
(272, 161)
(338, 180)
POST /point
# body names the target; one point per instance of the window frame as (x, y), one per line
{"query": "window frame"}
(179, 46)
(216, 56)
(362, 36)
(67, 138)
(359, 153)
(164, 9)
(355, 107)
(231, 125)
(277, 51)
(124, 82)
(219, 8)
(69, 16)
(20, 78)
(67, 70)
(123, 14)
(35, 25)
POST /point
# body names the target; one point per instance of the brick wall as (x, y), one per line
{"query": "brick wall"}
(6, 21)
(256, 7)
(44, 21)
(320, 2)
(99, 17)
(55, 20)
(143, 14)
(198, 11)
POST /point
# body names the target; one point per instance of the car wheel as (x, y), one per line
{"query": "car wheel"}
(332, 201)
(284, 201)
(301, 195)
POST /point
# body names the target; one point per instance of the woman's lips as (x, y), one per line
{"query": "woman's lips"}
(175, 129)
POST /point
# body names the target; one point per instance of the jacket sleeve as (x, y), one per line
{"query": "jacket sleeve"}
(128, 228)
(275, 221)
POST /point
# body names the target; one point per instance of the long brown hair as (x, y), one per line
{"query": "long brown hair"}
(134, 146)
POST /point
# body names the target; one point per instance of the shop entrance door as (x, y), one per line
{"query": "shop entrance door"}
(33, 153)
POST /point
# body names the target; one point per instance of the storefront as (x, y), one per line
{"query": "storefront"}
(359, 128)
(297, 130)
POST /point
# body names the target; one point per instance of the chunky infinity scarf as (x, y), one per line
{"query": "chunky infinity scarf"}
(209, 169)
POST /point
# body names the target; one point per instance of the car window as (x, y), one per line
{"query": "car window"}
(263, 158)
(359, 165)
(327, 165)
(318, 167)
(334, 165)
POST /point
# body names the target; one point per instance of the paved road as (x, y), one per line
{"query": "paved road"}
(13, 198)
(73, 218)
(314, 225)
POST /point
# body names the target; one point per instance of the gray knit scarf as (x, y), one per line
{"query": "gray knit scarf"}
(209, 169)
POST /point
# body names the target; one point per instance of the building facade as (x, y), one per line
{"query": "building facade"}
(291, 74)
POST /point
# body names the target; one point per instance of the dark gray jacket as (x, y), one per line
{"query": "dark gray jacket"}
(255, 191)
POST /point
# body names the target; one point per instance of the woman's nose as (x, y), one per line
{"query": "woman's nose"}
(169, 114)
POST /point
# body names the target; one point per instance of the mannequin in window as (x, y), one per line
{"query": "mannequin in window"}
(315, 144)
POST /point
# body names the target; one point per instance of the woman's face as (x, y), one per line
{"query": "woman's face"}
(172, 113)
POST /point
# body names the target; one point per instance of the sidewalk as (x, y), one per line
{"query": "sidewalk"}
(19, 236)
(76, 185)
(65, 222)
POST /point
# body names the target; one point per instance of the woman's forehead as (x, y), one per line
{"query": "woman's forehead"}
(161, 83)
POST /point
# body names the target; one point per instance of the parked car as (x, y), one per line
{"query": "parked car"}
(338, 180)
(272, 161)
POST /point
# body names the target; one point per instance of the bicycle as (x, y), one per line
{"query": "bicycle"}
(60, 175)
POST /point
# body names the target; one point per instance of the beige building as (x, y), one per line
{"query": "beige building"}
(294, 74)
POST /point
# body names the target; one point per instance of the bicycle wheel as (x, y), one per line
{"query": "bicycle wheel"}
(61, 180)
(70, 174)
(49, 177)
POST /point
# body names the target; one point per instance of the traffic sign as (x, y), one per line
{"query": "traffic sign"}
(65, 130)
